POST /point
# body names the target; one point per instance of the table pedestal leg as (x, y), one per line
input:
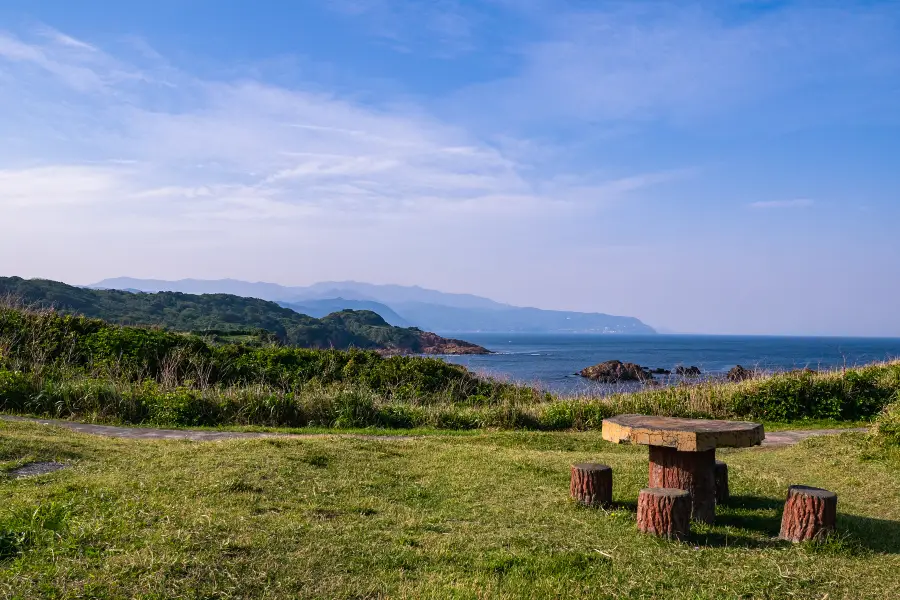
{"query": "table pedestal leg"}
(691, 471)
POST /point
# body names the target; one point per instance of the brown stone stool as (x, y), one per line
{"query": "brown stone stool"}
(665, 512)
(721, 476)
(809, 513)
(591, 484)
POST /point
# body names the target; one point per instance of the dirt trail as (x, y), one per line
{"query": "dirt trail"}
(194, 435)
(774, 439)
(794, 436)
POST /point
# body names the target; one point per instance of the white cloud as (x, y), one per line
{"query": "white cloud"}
(74, 75)
(106, 146)
(795, 203)
(57, 185)
(64, 40)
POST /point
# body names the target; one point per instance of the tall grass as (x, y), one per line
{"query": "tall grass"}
(852, 394)
(887, 424)
(72, 367)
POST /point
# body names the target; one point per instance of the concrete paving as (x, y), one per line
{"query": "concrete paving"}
(773, 439)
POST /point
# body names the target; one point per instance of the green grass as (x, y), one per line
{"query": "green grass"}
(71, 367)
(787, 400)
(831, 399)
(474, 516)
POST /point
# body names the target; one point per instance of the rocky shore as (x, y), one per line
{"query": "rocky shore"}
(432, 343)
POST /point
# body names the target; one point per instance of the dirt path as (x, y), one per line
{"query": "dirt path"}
(791, 437)
(194, 435)
(775, 439)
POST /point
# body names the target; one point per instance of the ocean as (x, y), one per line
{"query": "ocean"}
(550, 361)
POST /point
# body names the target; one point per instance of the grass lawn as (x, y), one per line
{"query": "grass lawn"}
(475, 516)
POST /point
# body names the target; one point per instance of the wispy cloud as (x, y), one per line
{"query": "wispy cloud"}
(648, 62)
(58, 185)
(795, 203)
(163, 142)
(443, 28)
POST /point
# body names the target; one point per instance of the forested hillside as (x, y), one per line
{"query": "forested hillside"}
(228, 318)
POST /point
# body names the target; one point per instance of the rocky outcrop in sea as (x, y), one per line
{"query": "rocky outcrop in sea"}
(615, 371)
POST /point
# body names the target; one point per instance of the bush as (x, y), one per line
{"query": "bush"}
(400, 416)
(510, 416)
(354, 408)
(75, 367)
(181, 406)
(574, 414)
(456, 418)
(261, 406)
(887, 425)
(852, 394)
(64, 345)
(16, 389)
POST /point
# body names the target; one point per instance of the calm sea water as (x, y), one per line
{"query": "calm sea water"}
(551, 360)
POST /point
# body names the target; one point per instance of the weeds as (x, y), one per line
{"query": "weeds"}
(25, 528)
(887, 425)
(482, 515)
(72, 367)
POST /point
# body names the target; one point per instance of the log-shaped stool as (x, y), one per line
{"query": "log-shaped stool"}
(591, 484)
(721, 476)
(809, 513)
(665, 512)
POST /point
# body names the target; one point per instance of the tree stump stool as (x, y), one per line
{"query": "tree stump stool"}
(721, 477)
(665, 512)
(809, 513)
(591, 484)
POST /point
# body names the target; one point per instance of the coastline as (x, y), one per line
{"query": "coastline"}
(550, 361)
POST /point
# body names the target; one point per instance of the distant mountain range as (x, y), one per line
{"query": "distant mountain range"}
(230, 318)
(403, 306)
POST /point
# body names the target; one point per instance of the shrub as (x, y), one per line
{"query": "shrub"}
(509, 416)
(455, 418)
(16, 389)
(354, 408)
(49, 342)
(261, 406)
(574, 414)
(849, 395)
(401, 416)
(71, 366)
(887, 425)
(181, 406)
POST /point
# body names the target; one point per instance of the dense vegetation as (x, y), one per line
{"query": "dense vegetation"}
(52, 345)
(68, 366)
(222, 317)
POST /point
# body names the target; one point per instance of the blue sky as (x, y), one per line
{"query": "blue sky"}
(717, 167)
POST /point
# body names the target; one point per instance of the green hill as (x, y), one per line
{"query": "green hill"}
(224, 317)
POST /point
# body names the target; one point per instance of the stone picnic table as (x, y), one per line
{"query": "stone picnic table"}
(683, 451)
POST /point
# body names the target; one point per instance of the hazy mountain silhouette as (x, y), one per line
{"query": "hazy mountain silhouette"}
(401, 305)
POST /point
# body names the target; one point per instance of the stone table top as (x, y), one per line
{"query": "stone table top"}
(686, 435)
